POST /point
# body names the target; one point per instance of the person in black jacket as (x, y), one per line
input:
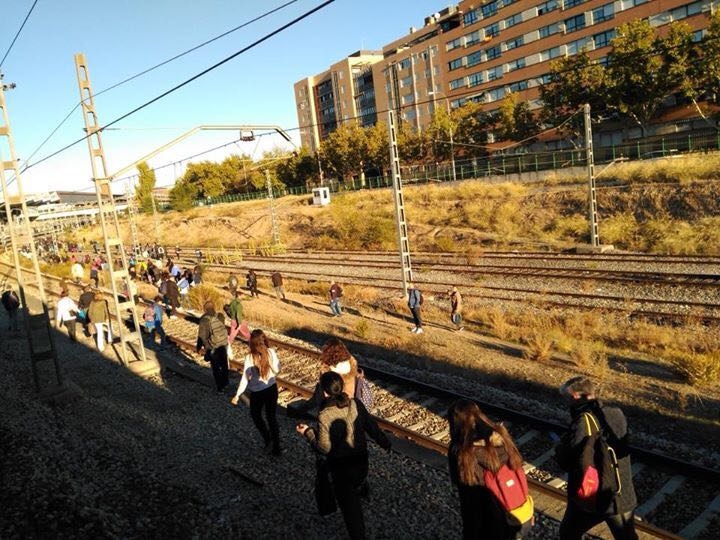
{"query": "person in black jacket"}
(343, 423)
(213, 338)
(476, 445)
(576, 452)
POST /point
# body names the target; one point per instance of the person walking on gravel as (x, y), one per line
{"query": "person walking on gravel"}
(415, 302)
(260, 367)
(336, 293)
(341, 440)
(66, 313)
(99, 316)
(456, 308)
(479, 449)
(11, 303)
(591, 499)
(251, 282)
(277, 283)
(213, 338)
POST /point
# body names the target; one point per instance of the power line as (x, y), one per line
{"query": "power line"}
(186, 82)
(148, 70)
(18, 33)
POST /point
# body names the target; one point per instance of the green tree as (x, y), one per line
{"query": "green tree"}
(377, 147)
(298, 169)
(182, 195)
(574, 81)
(438, 133)
(412, 145)
(516, 121)
(144, 189)
(344, 150)
(709, 65)
(209, 179)
(471, 131)
(636, 69)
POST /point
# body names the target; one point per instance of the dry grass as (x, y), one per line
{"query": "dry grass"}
(698, 369)
(204, 293)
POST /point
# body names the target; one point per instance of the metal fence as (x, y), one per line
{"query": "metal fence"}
(505, 165)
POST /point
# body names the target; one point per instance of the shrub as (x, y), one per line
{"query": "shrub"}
(539, 346)
(203, 293)
(698, 368)
(362, 328)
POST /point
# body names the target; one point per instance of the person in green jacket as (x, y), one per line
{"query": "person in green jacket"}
(235, 313)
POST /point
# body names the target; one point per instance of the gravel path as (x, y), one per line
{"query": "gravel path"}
(138, 458)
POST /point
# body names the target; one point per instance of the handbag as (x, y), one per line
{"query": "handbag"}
(363, 392)
(324, 496)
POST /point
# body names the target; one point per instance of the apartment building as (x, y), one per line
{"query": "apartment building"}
(345, 92)
(484, 50)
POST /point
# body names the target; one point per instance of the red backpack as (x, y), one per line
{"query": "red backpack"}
(511, 490)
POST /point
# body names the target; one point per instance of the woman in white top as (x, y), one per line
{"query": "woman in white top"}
(66, 313)
(258, 377)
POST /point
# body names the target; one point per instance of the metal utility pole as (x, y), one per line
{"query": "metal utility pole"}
(592, 198)
(273, 217)
(400, 222)
(49, 383)
(155, 218)
(132, 351)
(130, 198)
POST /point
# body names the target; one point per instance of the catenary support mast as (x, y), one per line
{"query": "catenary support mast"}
(131, 344)
(48, 380)
(401, 223)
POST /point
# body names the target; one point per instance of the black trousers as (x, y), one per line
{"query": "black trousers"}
(266, 399)
(70, 325)
(576, 522)
(219, 364)
(417, 317)
(348, 476)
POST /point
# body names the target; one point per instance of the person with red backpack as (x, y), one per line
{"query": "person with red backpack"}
(487, 469)
(595, 453)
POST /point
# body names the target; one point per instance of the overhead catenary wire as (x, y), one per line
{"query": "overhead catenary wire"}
(12, 44)
(156, 66)
(186, 82)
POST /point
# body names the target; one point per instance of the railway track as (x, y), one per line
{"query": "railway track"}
(415, 411)
(568, 296)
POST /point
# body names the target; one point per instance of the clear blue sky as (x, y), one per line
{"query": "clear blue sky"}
(122, 38)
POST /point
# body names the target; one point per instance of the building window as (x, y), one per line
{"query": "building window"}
(494, 74)
(472, 38)
(455, 64)
(404, 64)
(489, 9)
(574, 23)
(548, 30)
(492, 30)
(470, 17)
(457, 83)
(516, 64)
(603, 39)
(520, 85)
(513, 20)
(513, 43)
(547, 7)
(454, 44)
(554, 52)
(475, 79)
(567, 4)
(604, 13)
(408, 98)
(406, 81)
(493, 52)
(473, 59)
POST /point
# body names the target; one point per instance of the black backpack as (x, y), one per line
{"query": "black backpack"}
(601, 482)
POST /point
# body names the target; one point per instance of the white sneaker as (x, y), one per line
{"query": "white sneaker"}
(414, 330)
(419, 331)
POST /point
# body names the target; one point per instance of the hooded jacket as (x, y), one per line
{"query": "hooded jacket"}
(571, 457)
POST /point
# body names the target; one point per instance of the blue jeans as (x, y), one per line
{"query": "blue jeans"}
(335, 306)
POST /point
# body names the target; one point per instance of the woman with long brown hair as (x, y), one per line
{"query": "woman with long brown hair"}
(258, 377)
(478, 444)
